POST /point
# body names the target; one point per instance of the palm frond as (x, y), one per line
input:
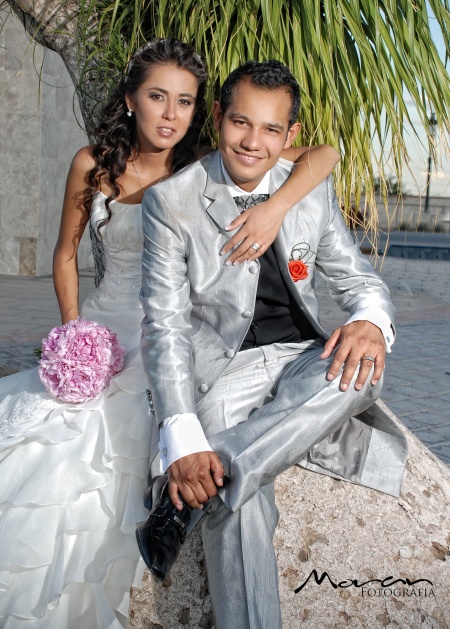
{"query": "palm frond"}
(358, 62)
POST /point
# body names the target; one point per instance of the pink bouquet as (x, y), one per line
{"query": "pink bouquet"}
(79, 359)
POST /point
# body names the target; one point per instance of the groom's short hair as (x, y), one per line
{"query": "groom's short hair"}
(266, 75)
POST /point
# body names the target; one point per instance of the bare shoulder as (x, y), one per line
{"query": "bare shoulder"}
(82, 163)
(83, 160)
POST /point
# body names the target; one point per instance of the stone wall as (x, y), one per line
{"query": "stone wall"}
(39, 135)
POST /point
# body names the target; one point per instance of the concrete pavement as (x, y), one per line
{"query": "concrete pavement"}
(417, 378)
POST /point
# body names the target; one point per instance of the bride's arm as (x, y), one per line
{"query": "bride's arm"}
(74, 219)
(262, 222)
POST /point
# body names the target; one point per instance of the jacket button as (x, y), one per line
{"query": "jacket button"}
(164, 451)
(229, 353)
(247, 314)
(203, 388)
(253, 269)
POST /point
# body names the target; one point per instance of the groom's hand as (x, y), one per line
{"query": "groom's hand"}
(196, 477)
(354, 342)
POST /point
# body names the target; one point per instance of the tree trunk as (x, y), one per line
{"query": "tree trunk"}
(352, 534)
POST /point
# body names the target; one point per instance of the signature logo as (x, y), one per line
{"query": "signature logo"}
(385, 586)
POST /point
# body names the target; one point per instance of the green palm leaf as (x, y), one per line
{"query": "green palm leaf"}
(357, 62)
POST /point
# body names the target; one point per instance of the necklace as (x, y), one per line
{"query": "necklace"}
(139, 179)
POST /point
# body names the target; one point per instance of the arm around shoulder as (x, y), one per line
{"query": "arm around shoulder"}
(311, 165)
(261, 223)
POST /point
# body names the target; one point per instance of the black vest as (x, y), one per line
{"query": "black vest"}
(277, 317)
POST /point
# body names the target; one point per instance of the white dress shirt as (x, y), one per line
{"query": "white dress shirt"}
(182, 434)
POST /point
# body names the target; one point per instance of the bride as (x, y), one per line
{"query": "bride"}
(72, 476)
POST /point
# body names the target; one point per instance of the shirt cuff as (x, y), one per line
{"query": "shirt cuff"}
(381, 319)
(180, 435)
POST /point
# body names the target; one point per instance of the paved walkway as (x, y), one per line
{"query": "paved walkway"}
(417, 379)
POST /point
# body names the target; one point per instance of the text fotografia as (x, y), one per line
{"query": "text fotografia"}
(398, 591)
(386, 587)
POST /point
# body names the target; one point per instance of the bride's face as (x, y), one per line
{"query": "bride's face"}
(164, 106)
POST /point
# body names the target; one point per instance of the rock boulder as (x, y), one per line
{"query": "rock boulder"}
(378, 561)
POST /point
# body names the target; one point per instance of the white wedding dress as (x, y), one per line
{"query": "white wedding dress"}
(72, 476)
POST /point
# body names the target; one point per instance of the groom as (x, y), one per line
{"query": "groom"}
(242, 381)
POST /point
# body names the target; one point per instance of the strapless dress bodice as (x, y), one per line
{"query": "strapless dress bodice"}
(122, 241)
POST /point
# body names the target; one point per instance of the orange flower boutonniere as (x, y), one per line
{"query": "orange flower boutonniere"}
(298, 270)
(301, 254)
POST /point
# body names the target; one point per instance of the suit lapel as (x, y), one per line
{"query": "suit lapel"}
(223, 209)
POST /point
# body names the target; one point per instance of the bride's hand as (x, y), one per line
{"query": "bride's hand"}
(259, 224)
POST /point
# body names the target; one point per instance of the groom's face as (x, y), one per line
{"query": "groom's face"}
(254, 129)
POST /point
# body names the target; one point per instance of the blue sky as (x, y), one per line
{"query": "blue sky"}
(415, 182)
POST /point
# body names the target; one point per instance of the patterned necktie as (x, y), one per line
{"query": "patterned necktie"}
(249, 200)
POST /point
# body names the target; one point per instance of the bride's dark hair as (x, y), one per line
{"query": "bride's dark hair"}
(116, 132)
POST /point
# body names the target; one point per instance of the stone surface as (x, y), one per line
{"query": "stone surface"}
(352, 534)
(9, 260)
(61, 137)
(27, 256)
(39, 135)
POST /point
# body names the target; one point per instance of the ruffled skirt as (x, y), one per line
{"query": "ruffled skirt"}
(72, 478)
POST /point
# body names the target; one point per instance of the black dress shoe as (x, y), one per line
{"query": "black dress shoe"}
(160, 537)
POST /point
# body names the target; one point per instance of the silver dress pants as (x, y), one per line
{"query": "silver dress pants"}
(263, 415)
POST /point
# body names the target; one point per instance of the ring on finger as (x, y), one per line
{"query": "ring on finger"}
(371, 358)
(255, 246)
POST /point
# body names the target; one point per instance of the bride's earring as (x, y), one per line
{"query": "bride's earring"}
(129, 113)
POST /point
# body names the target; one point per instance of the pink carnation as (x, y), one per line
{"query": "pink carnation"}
(79, 359)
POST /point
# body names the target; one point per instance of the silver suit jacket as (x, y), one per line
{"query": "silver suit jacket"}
(198, 310)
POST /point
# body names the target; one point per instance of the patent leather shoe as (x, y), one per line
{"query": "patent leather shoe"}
(160, 537)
